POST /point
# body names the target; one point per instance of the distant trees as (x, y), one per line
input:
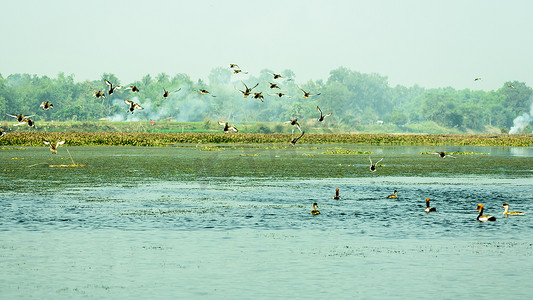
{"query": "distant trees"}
(354, 98)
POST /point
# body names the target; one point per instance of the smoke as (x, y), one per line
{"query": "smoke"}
(520, 122)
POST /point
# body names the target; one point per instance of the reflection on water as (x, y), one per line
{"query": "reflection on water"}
(235, 223)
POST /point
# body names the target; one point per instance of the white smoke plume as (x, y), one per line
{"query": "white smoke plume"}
(520, 122)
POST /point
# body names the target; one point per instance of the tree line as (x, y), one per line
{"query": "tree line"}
(354, 98)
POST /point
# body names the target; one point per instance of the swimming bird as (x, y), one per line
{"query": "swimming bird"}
(133, 105)
(228, 127)
(53, 147)
(444, 155)
(203, 92)
(2, 132)
(111, 87)
(393, 196)
(512, 213)
(373, 166)
(280, 94)
(294, 123)
(167, 93)
(322, 117)
(429, 208)
(20, 117)
(481, 217)
(306, 94)
(46, 105)
(315, 211)
(133, 88)
(259, 96)
(99, 94)
(26, 121)
(274, 85)
(337, 196)
(294, 140)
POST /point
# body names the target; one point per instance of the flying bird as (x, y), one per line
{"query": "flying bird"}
(322, 117)
(53, 147)
(280, 94)
(294, 123)
(133, 105)
(237, 71)
(373, 166)
(111, 87)
(167, 93)
(2, 132)
(133, 88)
(203, 92)
(20, 117)
(99, 94)
(276, 76)
(46, 105)
(477, 79)
(294, 140)
(259, 96)
(247, 90)
(274, 85)
(231, 66)
(511, 86)
(228, 127)
(27, 121)
(306, 94)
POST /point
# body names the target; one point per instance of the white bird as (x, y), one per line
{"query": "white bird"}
(53, 147)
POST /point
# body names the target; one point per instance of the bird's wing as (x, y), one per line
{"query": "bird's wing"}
(128, 102)
(222, 123)
(232, 127)
(108, 83)
(46, 142)
(59, 143)
(136, 105)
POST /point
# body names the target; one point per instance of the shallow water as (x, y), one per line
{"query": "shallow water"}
(234, 222)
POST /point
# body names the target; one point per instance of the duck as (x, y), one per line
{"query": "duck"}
(111, 87)
(232, 66)
(444, 155)
(99, 94)
(20, 117)
(477, 78)
(259, 96)
(322, 117)
(203, 92)
(337, 196)
(315, 211)
(429, 208)
(228, 127)
(133, 105)
(294, 123)
(276, 76)
(512, 213)
(274, 85)
(247, 90)
(373, 166)
(133, 88)
(26, 121)
(481, 217)
(237, 71)
(294, 140)
(53, 147)
(511, 86)
(2, 132)
(306, 94)
(393, 196)
(280, 94)
(46, 105)
(167, 93)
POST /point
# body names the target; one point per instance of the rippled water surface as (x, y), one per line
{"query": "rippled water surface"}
(233, 222)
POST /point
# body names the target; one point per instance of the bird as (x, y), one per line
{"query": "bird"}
(20, 117)
(276, 76)
(315, 211)
(99, 94)
(237, 71)
(429, 208)
(444, 155)
(512, 213)
(53, 147)
(231, 66)
(481, 217)
(247, 90)
(393, 196)
(111, 87)
(274, 85)
(373, 166)
(280, 94)
(337, 196)
(511, 86)
(167, 93)
(228, 127)
(322, 117)
(259, 96)
(27, 121)
(46, 105)
(294, 140)
(133, 88)
(133, 105)
(294, 123)
(306, 94)
(2, 132)
(203, 92)
(477, 78)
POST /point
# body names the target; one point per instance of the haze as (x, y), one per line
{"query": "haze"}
(429, 43)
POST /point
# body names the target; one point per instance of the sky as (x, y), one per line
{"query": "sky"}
(429, 43)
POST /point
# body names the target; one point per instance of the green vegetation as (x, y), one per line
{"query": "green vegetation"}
(166, 139)
(359, 103)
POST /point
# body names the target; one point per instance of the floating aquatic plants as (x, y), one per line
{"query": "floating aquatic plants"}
(347, 152)
(455, 153)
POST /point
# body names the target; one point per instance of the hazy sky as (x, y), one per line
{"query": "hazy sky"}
(430, 43)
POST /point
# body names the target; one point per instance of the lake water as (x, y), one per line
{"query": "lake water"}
(233, 222)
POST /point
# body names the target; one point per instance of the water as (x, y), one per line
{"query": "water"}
(234, 222)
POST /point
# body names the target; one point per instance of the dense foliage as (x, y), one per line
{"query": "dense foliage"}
(356, 100)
